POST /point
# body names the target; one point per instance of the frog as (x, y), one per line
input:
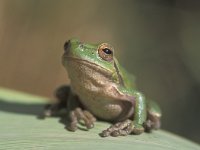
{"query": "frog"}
(101, 89)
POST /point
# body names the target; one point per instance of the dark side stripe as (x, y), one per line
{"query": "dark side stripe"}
(121, 82)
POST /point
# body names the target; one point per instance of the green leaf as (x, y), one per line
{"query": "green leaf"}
(20, 128)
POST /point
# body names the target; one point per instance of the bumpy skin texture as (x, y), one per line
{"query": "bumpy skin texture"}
(100, 88)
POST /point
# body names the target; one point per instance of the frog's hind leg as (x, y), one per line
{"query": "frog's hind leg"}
(153, 116)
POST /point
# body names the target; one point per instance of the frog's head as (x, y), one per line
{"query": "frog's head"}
(99, 55)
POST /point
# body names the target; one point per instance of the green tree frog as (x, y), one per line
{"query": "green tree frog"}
(101, 88)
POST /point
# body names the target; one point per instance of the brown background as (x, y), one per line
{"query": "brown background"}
(157, 40)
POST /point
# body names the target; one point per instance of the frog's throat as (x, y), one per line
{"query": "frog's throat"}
(94, 65)
(86, 62)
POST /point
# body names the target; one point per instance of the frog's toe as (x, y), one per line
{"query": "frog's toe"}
(80, 116)
(71, 127)
(86, 117)
(47, 113)
(149, 125)
(51, 110)
(72, 122)
(89, 116)
(118, 129)
(138, 130)
(122, 132)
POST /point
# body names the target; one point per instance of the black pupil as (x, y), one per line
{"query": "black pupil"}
(107, 51)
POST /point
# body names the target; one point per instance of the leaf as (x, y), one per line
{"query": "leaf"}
(20, 128)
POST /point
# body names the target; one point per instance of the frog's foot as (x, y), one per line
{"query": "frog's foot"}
(122, 129)
(52, 110)
(152, 124)
(78, 115)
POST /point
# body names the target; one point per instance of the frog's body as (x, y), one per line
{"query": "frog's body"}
(95, 87)
(105, 90)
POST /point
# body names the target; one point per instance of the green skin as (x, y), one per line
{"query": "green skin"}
(101, 88)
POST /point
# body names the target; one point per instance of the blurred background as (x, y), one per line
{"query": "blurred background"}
(156, 40)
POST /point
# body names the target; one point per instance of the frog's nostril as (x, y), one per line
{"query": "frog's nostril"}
(66, 45)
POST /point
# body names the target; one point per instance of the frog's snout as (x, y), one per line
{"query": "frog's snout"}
(66, 46)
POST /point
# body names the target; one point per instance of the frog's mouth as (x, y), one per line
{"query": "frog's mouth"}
(81, 61)
(87, 63)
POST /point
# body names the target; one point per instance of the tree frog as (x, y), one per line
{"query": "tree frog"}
(101, 88)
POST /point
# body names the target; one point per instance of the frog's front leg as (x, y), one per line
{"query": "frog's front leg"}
(128, 126)
(62, 94)
(75, 114)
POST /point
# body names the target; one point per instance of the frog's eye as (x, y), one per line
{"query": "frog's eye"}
(105, 51)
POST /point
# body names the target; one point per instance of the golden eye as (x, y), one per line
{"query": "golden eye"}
(105, 51)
